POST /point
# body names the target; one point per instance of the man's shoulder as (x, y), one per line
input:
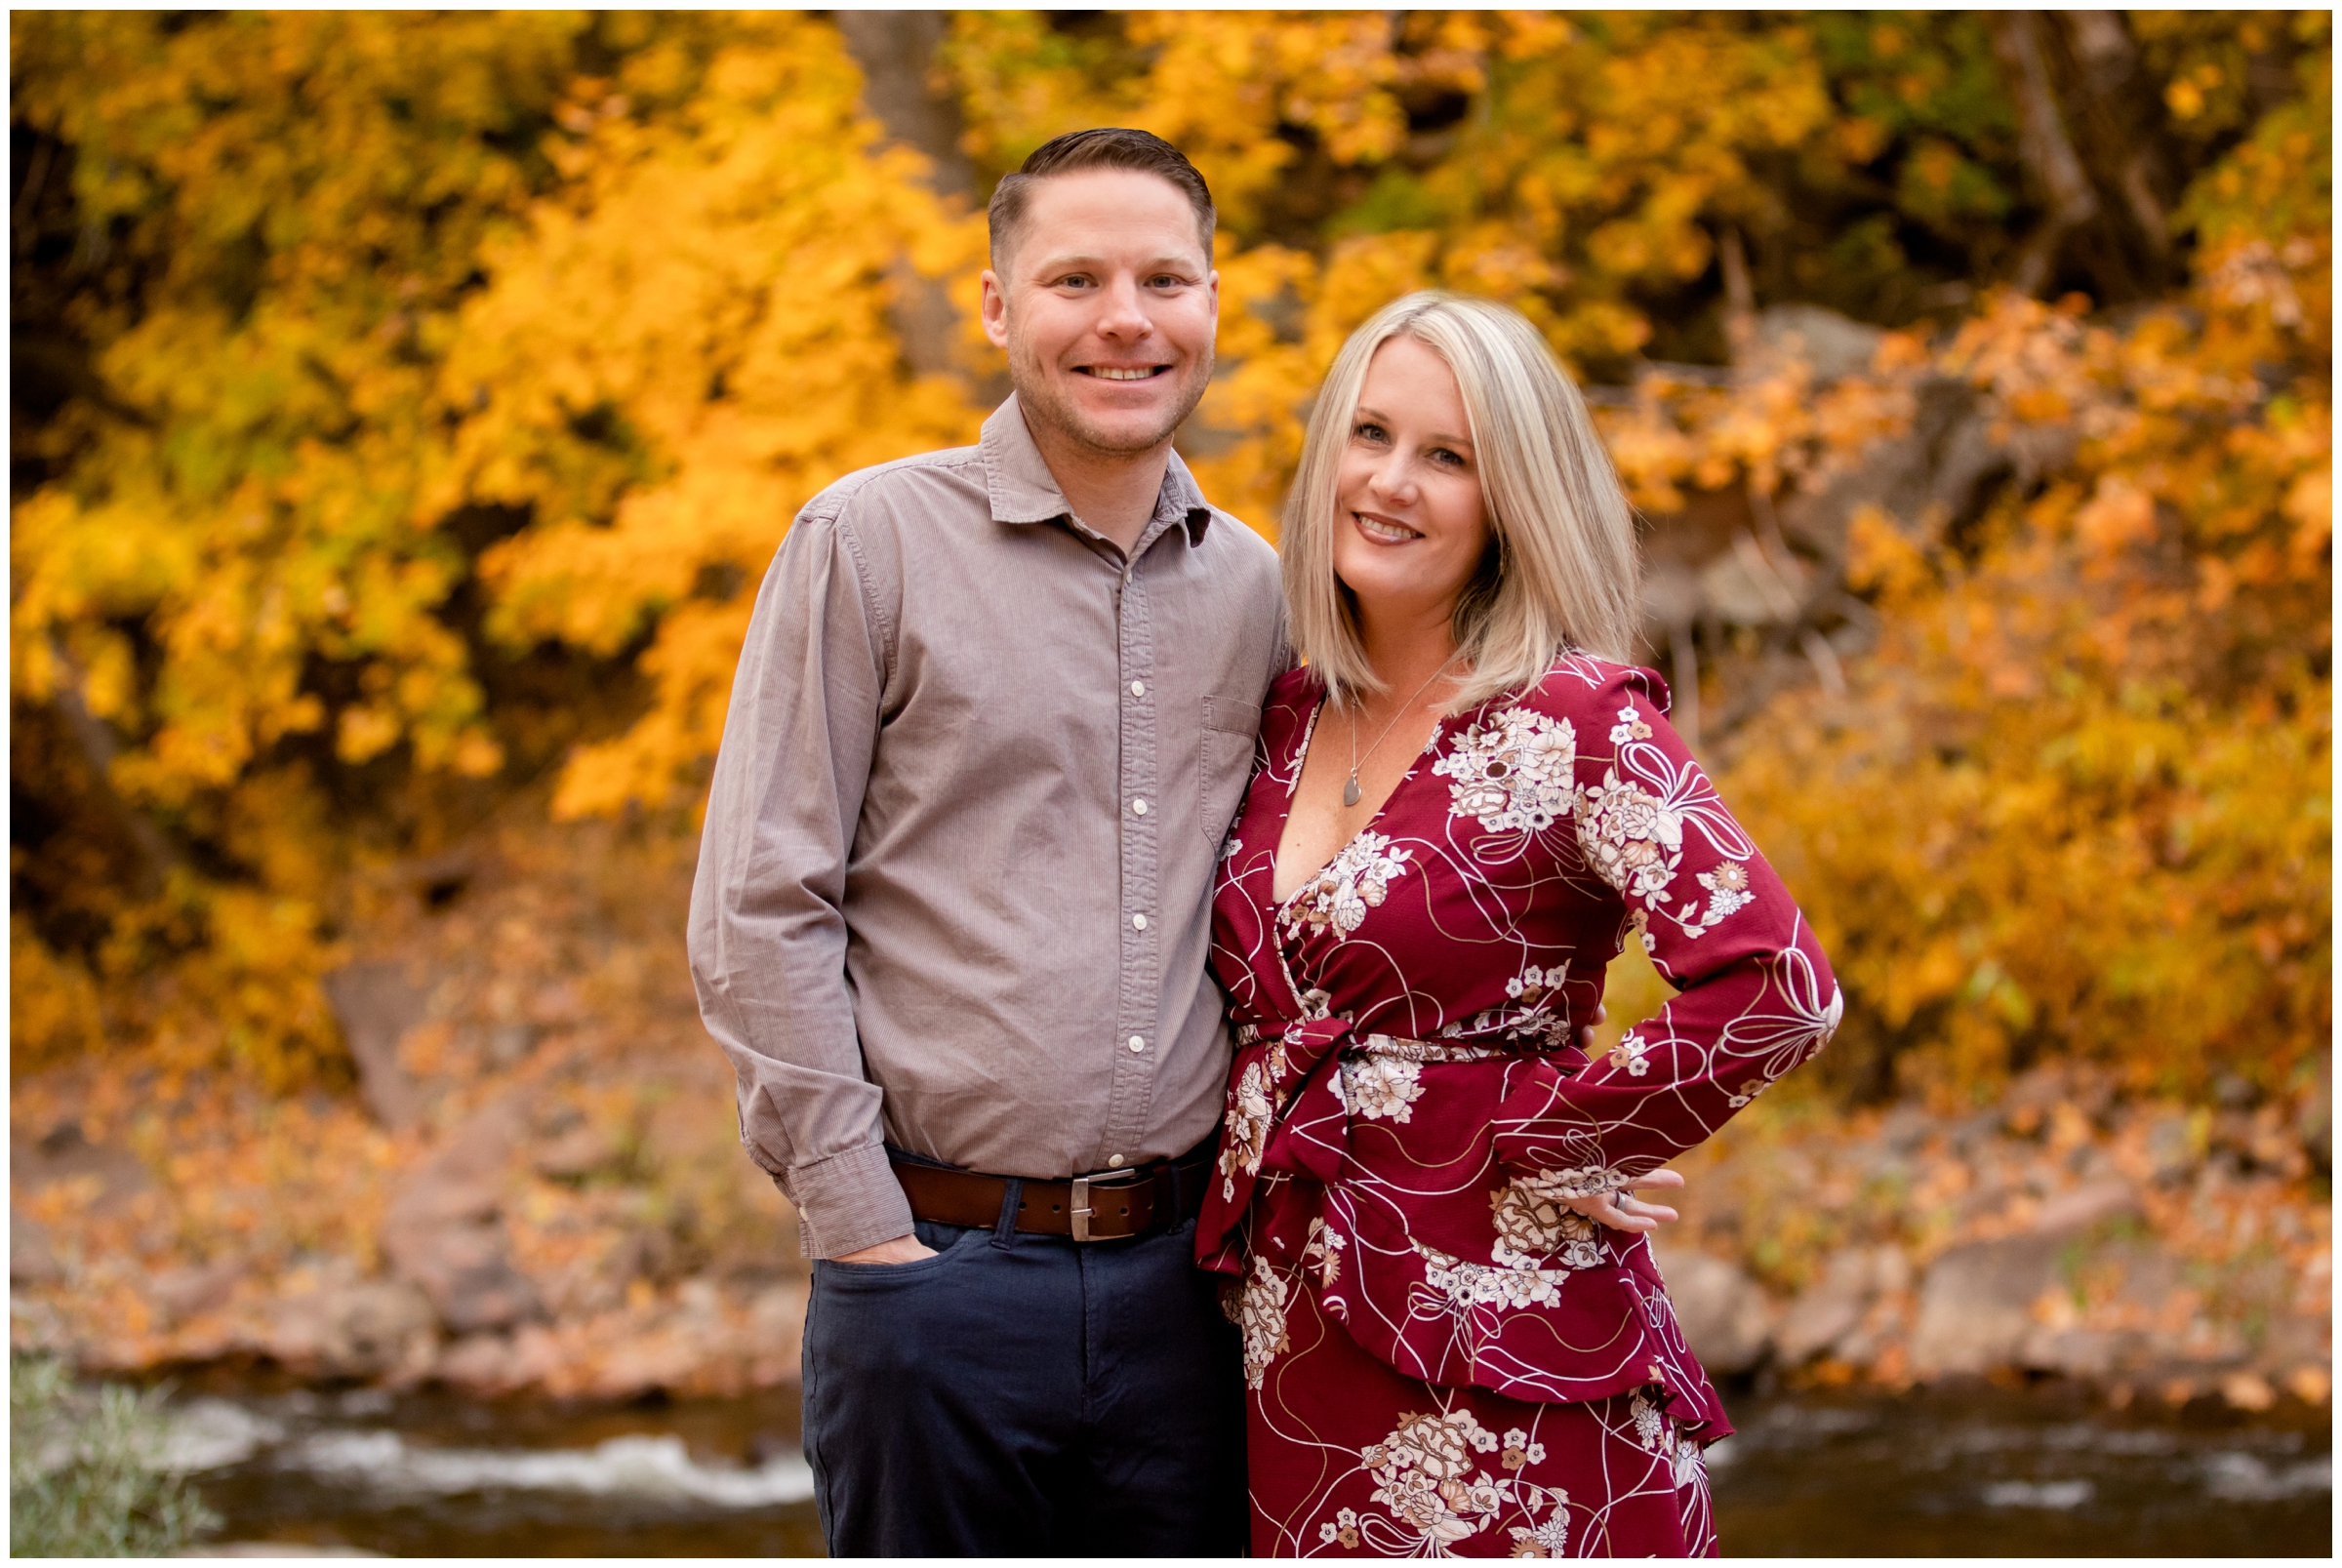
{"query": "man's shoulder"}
(1241, 545)
(887, 489)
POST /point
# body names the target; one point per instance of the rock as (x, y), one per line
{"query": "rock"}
(2248, 1390)
(31, 1259)
(64, 1154)
(376, 1004)
(2089, 1204)
(356, 1330)
(577, 1154)
(2073, 1352)
(2175, 1145)
(2314, 1119)
(1831, 345)
(468, 1274)
(1726, 1317)
(1975, 1304)
(2235, 1092)
(444, 1235)
(185, 1293)
(481, 1363)
(1832, 1307)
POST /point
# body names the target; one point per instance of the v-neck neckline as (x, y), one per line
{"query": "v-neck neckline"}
(1301, 760)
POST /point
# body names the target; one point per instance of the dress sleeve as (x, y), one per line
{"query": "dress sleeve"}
(1754, 996)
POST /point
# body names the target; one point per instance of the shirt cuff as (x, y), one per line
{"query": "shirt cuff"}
(847, 1202)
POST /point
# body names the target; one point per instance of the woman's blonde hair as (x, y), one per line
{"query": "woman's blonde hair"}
(1560, 568)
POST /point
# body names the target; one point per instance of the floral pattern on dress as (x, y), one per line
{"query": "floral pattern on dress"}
(1632, 840)
(1514, 773)
(1381, 1087)
(1409, 1116)
(1258, 1313)
(1250, 1115)
(1511, 1285)
(1426, 1471)
(1354, 882)
(1533, 1225)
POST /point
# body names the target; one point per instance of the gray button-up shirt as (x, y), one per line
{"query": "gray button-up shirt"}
(955, 887)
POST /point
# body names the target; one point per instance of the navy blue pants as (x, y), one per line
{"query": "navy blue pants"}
(1025, 1395)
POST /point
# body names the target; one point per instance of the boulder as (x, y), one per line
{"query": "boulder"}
(1726, 1317)
(1834, 1305)
(2075, 1352)
(444, 1230)
(480, 1363)
(376, 1004)
(190, 1292)
(1976, 1304)
(1831, 345)
(357, 1330)
(32, 1259)
(2089, 1204)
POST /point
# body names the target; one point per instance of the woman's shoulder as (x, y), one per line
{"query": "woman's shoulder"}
(1295, 692)
(1579, 687)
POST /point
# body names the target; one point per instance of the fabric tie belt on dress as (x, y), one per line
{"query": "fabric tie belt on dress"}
(1288, 1109)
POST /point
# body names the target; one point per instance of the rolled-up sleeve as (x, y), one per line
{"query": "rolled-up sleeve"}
(768, 935)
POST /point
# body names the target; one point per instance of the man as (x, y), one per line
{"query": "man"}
(996, 711)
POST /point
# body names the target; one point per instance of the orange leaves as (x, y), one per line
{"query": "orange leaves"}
(685, 349)
(436, 366)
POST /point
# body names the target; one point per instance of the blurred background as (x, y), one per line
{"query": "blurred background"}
(404, 409)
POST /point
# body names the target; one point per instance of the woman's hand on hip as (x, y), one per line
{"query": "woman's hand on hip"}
(1622, 1210)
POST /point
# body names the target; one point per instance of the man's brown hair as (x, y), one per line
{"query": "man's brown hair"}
(1110, 147)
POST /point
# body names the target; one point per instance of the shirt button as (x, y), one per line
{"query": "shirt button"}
(1138, 1042)
(1113, 1161)
(1138, 808)
(1138, 688)
(1138, 922)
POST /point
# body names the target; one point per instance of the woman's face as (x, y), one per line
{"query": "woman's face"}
(1409, 524)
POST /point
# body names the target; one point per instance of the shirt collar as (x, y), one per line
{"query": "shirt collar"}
(1021, 490)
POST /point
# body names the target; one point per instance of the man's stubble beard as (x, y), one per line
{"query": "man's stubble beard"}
(1037, 396)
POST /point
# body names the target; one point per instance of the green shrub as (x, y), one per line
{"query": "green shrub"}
(85, 1477)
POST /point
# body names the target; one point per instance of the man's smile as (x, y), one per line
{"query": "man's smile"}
(1122, 373)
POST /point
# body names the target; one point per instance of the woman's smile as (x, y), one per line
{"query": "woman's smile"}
(1383, 530)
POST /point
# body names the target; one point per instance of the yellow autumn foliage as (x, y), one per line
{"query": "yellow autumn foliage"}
(420, 398)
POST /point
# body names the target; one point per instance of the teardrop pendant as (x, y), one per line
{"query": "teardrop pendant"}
(1349, 791)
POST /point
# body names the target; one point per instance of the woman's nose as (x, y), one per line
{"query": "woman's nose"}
(1393, 479)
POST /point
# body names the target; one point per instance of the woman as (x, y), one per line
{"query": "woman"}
(1465, 803)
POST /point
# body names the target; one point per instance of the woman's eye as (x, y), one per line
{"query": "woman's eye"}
(1368, 430)
(1452, 460)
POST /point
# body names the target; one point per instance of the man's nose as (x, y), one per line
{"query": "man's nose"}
(1125, 313)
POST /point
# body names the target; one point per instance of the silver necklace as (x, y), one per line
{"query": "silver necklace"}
(1349, 790)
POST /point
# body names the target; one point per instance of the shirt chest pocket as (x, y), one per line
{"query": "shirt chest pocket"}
(1230, 726)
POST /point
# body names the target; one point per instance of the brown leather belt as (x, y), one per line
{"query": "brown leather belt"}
(1106, 1206)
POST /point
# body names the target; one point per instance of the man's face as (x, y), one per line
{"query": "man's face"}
(1107, 309)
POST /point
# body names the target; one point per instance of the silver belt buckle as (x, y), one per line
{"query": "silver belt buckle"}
(1107, 1181)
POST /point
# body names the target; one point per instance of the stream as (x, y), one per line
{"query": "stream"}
(1982, 1473)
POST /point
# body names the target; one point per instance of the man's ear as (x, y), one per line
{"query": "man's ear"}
(994, 309)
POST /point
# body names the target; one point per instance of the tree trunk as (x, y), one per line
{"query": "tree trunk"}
(896, 53)
(2042, 141)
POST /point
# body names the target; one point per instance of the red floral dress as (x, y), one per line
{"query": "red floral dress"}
(1439, 1356)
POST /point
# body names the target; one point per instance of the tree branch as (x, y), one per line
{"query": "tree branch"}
(2042, 141)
